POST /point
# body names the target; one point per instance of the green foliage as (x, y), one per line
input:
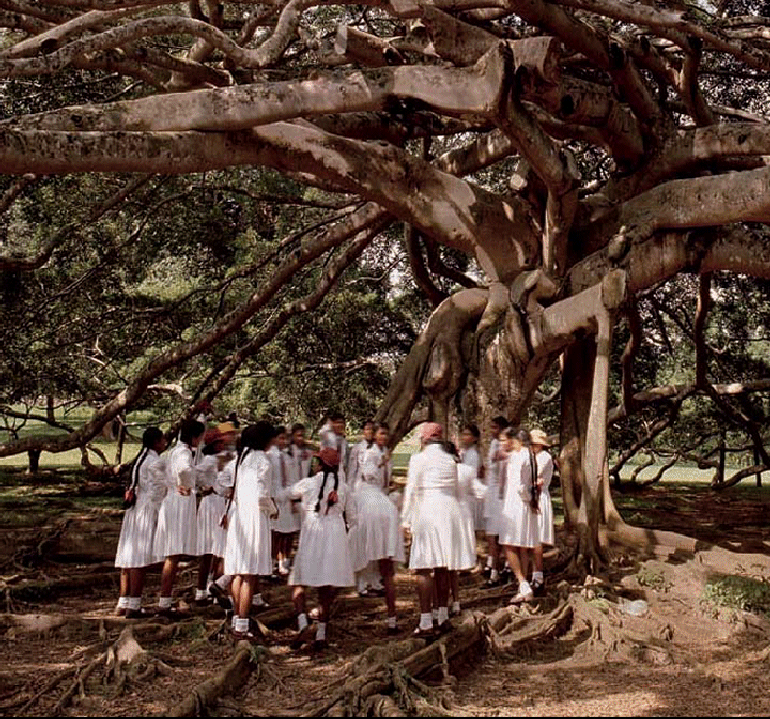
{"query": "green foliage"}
(738, 592)
(652, 579)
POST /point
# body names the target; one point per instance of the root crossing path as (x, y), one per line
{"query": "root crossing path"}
(652, 636)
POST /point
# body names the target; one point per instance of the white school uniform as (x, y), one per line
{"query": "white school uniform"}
(248, 549)
(472, 493)
(472, 458)
(323, 555)
(300, 460)
(545, 517)
(211, 535)
(288, 519)
(492, 502)
(519, 522)
(356, 460)
(137, 532)
(177, 519)
(432, 511)
(377, 533)
(327, 437)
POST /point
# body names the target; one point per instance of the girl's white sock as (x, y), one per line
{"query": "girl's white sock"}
(391, 622)
(164, 603)
(320, 633)
(242, 625)
(134, 603)
(494, 575)
(426, 621)
(302, 621)
(443, 614)
(257, 600)
(537, 577)
(201, 594)
(489, 562)
(456, 608)
(122, 602)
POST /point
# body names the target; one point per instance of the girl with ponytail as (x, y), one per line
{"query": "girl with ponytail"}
(142, 502)
(248, 551)
(323, 556)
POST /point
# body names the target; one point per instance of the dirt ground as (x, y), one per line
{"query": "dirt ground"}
(686, 654)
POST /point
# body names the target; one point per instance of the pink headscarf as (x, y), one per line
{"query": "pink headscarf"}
(431, 430)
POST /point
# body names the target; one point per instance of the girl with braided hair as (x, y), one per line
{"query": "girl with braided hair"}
(248, 549)
(144, 495)
(323, 555)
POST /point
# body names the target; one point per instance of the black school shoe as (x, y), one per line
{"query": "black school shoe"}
(221, 596)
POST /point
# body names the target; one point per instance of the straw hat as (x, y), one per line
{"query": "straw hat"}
(537, 436)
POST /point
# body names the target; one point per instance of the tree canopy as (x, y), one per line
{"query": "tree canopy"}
(553, 164)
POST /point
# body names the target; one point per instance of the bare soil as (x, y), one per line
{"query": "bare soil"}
(684, 656)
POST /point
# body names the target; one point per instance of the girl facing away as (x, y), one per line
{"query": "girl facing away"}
(137, 533)
(323, 555)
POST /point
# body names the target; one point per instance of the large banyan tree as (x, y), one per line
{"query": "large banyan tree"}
(629, 135)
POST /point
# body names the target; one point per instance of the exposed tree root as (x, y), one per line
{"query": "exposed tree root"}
(231, 678)
(610, 639)
(510, 633)
(48, 590)
(50, 685)
(385, 678)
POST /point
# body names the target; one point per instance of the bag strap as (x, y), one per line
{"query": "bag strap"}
(235, 479)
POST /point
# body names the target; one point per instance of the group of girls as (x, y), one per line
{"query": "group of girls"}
(516, 513)
(351, 533)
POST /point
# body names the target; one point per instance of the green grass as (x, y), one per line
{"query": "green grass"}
(736, 592)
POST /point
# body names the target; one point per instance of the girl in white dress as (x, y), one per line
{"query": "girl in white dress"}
(495, 467)
(519, 532)
(469, 455)
(176, 535)
(377, 539)
(472, 493)
(211, 536)
(540, 445)
(432, 513)
(146, 492)
(357, 452)
(287, 523)
(248, 551)
(323, 556)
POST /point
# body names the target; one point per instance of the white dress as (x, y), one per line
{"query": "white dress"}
(248, 549)
(284, 469)
(377, 533)
(211, 535)
(177, 519)
(545, 517)
(472, 492)
(492, 502)
(472, 458)
(323, 555)
(440, 538)
(137, 532)
(519, 522)
(356, 460)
